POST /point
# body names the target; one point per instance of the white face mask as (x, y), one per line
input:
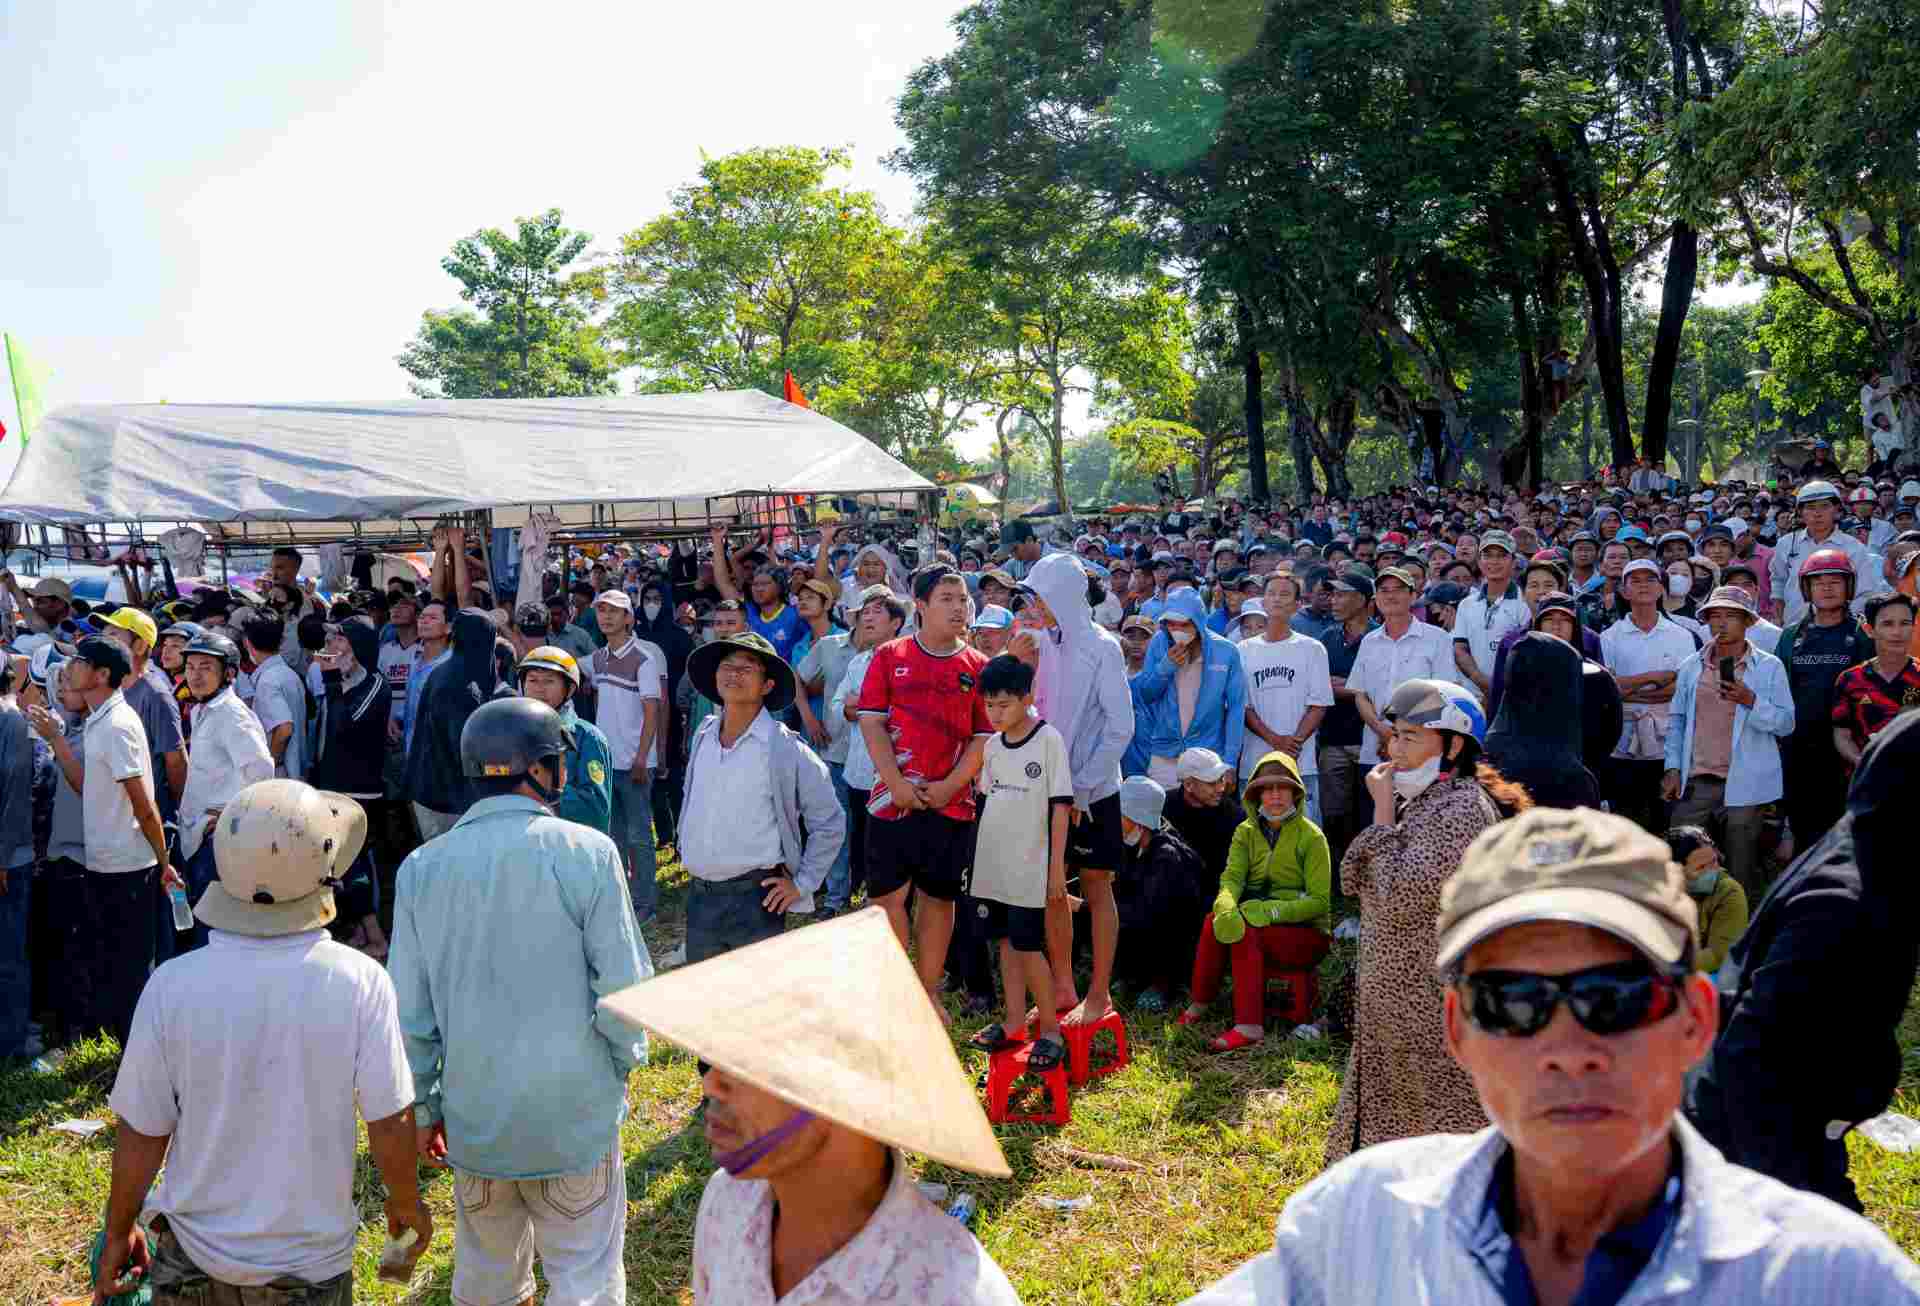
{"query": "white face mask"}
(1410, 783)
(1693, 525)
(1179, 634)
(651, 608)
(1678, 586)
(1132, 837)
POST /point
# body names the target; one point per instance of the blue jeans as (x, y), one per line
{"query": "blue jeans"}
(199, 872)
(1312, 782)
(632, 829)
(15, 972)
(840, 874)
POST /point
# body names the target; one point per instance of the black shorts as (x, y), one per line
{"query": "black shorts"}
(925, 849)
(1025, 928)
(1095, 844)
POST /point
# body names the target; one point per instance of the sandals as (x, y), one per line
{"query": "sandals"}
(1048, 1051)
(1186, 1018)
(1231, 1041)
(994, 1039)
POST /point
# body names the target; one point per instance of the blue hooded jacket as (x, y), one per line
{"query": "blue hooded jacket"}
(1220, 711)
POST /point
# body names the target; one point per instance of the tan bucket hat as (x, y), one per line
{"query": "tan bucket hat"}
(280, 848)
(776, 1015)
(1579, 866)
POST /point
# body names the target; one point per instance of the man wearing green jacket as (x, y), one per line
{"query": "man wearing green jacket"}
(1275, 903)
(549, 674)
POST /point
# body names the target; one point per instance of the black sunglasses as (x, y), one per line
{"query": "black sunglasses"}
(1606, 1000)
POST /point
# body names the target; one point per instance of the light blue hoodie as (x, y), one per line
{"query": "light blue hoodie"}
(1220, 712)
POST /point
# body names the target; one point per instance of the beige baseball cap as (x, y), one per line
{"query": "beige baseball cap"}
(1580, 866)
(280, 848)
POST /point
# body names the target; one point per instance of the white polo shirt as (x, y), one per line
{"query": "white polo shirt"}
(1482, 622)
(229, 753)
(114, 750)
(1384, 663)
(1627, 650)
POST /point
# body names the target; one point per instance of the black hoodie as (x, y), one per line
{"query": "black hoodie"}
(1811, 996)
(352, 750)
(453, 690)
(1536, 739)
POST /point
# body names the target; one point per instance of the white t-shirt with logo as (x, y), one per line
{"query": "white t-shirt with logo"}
(259, 1180)
(1022, 783)
(1285, 677)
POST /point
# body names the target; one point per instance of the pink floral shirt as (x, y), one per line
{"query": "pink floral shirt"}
(910, 1252)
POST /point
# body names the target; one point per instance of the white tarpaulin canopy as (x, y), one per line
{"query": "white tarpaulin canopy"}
(626, 462)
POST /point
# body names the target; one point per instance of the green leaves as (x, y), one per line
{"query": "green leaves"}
(532, 334)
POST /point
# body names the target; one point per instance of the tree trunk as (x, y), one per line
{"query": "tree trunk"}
(1302, 440)
(1257, 489)
(1676, 297)
(1057, 442)
(1586, 434)
(1586, 227)
(1332, 439)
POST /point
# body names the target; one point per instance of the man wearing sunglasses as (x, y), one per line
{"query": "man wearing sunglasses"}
(1566, 944)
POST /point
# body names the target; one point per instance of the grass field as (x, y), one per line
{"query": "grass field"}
(1220, 1143)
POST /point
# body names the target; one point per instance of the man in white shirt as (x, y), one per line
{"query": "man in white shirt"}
(629, 675)
(279, 696)
(762, 824)
(1490, 610)
(1288, 689)
(125, 843)
(1398, 650)
(216, 1069)
(1644, 652)
(229, 753)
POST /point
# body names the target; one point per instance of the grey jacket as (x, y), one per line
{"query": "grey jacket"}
(16, 790)
(812, 824)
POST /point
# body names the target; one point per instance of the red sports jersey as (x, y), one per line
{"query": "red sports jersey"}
(934, 709)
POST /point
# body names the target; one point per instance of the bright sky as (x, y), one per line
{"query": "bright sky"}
(235, 200)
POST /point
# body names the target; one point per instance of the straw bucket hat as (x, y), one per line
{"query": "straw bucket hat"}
(775, 1014)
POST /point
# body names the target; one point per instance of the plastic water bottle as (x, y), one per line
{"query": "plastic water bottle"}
(182, 913)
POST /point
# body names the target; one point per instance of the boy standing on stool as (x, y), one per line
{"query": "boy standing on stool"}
(1020, 861)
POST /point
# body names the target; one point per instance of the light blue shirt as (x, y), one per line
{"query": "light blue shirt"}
(507, 931)
(1754, 775)
(1415, 1206)
(416, 685)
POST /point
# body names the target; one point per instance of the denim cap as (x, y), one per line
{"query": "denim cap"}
(1142, 801)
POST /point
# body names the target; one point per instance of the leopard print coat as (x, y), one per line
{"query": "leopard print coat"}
(1400, 1081)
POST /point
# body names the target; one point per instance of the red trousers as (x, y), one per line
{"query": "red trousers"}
(1284, 947)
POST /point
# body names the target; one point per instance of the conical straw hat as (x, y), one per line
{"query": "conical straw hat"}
(833, 1019)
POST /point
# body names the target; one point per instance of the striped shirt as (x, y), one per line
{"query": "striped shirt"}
(1402, 1222)
(625, 678)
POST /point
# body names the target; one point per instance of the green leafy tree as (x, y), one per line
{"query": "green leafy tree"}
(529, 332)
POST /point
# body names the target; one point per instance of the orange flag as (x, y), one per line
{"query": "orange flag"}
(793, 394)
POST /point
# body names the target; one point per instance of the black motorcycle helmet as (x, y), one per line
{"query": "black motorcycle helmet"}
(212, 644)
(505, 738)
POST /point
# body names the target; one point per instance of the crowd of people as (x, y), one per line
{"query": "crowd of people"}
(1179, 746)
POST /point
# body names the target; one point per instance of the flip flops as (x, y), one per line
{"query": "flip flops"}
(1231, 1041)
(1186, 1018)
(994, 1039)
(1046, 1054)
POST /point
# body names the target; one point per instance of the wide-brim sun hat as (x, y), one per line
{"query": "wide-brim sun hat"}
(704, 662)
(883, 1067)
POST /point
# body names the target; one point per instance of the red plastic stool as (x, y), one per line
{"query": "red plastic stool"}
(1005, 1069)
(1080, 1047)
(1300, 990)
